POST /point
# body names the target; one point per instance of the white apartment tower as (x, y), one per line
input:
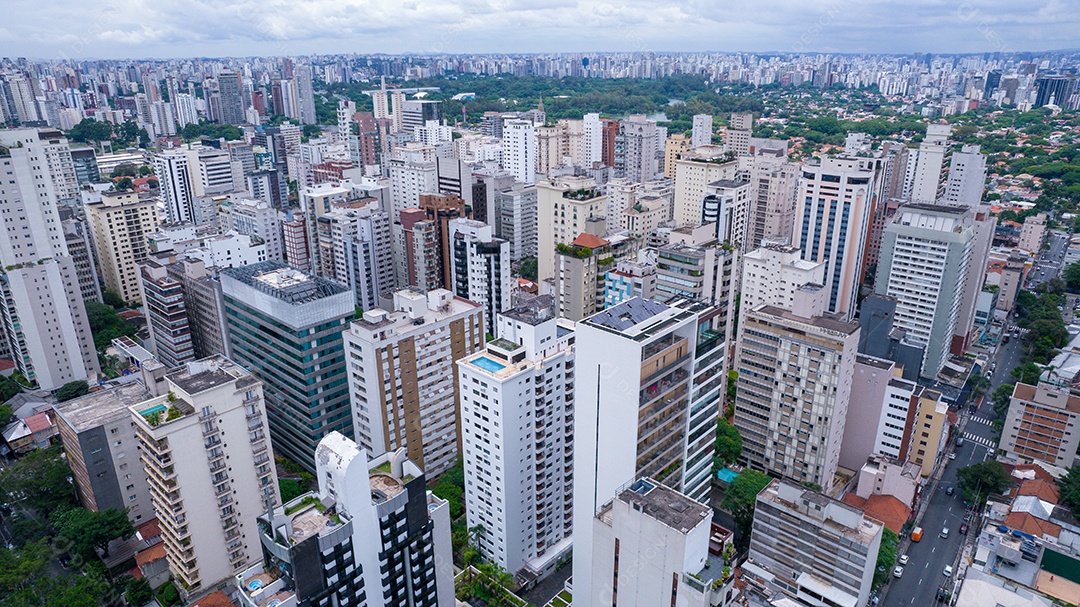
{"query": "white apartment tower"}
(702, 130)
(177, 189)
(480, 268)
(517, 411)
(773, 274)
(926, 179)
(205, 447)
(644, 407)
(925, 253)
(519, 150)
(639, 147)
(967, 177)
(832, 222)
(564, 207)
(592, 138)
(402, 383)
(43, 318)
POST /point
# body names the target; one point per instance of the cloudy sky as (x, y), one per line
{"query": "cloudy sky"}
(179, 28)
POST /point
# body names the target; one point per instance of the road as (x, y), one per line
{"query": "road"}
(924, 573)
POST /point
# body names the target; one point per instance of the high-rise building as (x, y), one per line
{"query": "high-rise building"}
(675, 146)
(99, 440)
(702, 131)
(230, 87)
(1041, 424)
(372, 535)
(653, 545)
(693, 173)
(76, 233)
(592, 139)
(925, 254)
(177, 188)
(643, 408)
(794, 365)
(774, 187)
(832, 222)
(627, 280)
(609, 132)
(794, 528)
(639, 149)
(515, 220)
(204, 305)
(204, 447)
(967, 177)
(415, 113)
(271, 187)
(580, 268)
(726, 204)
(355, 249)
(256, 218)
(86, 167)
(305, 94)
(480, 268)
(564, 207)
(926, 178)
(120, 223)
(420, 263)
(519, 150)
(42, 315)
(401, 375)
(166, 315)
(286, 327)
(517, 444)
(773, 274)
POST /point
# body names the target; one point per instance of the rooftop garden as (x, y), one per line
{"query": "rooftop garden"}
(582, 194)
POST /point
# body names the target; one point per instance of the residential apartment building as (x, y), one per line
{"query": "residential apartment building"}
(773, 274)
(516, 221)
(794, 528)
(204, 306)
(926, 180)
(255, 218)
(517, 418)
(99, 441)
(929, 431)
(42, 315)
(404, 391)
(286, 327)
(639, 149)
(925, 252)
(648, 385)
(166, 314)
(629, 279)
(726, 204)
(1041, 424)
(519, 150)
(653, 545)
(694, 171)
(480, 268)
(795, 368)
(355, 249)
(204, 447)
(120, 223)
(371, 535)
(81, 250)
(564, 208)
(581, 268)
(774, 187)
(831, 224)
(1033, 234)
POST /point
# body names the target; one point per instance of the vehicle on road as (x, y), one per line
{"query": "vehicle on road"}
(949, 490)
(916, 534)
(959, 441)
(963, 529)
(952, 456)
(944, 532)
(903, 559)
(898, 571)
(948, 571)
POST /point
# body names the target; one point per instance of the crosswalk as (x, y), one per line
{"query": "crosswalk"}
(980, 440)
(981, 420)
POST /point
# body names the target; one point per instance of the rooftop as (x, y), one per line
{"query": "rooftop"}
(285, 283)
(533, 311)
(822, 322)
(934, 208)
(627, 314)
(384, 487)
(103, 406)
(198, 376)
(871, 361)
(665, 505)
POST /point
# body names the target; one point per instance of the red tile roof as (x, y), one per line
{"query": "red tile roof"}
(1041, 489)
(39, 423)
(885, 508)
(151, 554)
(1031, 525)
(214, 599)
(6, 364)
(149, 529)
(588, 240)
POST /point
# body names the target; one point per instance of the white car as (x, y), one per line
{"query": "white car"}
(948, 571)
(898, 571)
(903, 559)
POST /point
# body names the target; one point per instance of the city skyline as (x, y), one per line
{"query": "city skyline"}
(132, 29)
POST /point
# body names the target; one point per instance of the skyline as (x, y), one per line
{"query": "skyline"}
(134, 29)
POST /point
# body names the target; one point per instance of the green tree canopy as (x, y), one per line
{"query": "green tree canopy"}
(37, 481)
(137, 591)
(88, 530)
(290, 489)
(977, 481)
(70, 390)
(106, 324)
(728, 443)
(1069, 489)
(90, 130)
(740, 499)
(886, 557)
(1001, 398)
(528, 268)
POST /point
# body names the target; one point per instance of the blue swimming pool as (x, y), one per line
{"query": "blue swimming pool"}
(727, 475)
(488, 365)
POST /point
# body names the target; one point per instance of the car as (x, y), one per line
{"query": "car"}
(898, 571)
(944, 532)
(903, 559)
(963, 529)
(949, 490)
(948, 571)
(952, 456)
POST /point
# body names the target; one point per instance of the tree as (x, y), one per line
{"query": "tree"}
(138, 592)
(90, 130)
(105, 324)
(38, 481)
(886, 556)
(528, 268)
(1001, 398)
(124, 183)
(70, 390)
(740, 497)
(451, 487)
(978, 384)
(1072, 273)
(1027, 373)
(112, 299)
(980, 480)
(728, 443)
(1069, 489)
(88, 530)
(290, 489)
